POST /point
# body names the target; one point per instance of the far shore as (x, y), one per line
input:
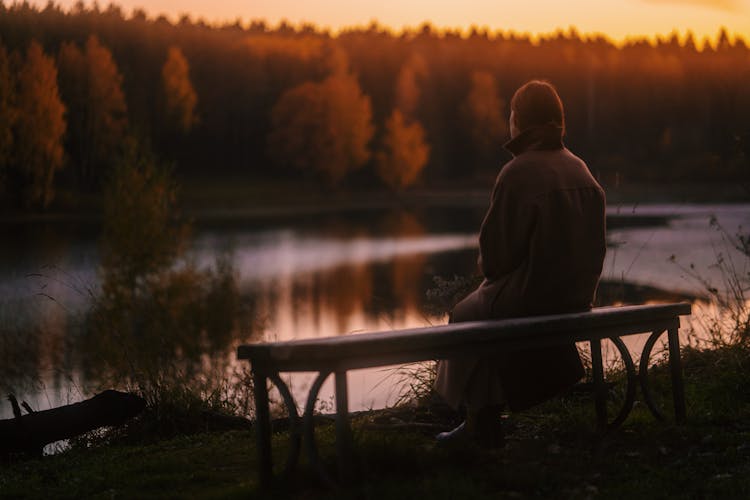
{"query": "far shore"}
(209, 201)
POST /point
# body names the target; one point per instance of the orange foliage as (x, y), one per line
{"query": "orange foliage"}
(7, 114)
(262, 93)
(322, 127)
(404, 153)
(662, 66)
(105, 87)
(181, 98)
(407, 84)
(92, 87)
(304, 48)
(40, 126)
(484, 112)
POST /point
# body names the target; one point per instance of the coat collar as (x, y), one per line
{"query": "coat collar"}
(544, 137)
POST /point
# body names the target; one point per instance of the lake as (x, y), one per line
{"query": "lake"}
(326, 273)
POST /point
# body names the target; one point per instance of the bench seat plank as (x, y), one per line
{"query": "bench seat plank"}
(435, 342)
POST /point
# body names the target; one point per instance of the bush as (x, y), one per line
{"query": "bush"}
(159, 322)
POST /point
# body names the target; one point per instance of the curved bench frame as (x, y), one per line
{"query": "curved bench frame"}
(337, 355)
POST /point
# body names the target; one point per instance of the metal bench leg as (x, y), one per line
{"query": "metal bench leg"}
(262, 429)
(632, 379)
(600, 394)
(643, 374)
(295, 433)
(343, 432)
(309, 429)
(675, 364)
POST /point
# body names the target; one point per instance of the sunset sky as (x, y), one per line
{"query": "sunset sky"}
(616, 18)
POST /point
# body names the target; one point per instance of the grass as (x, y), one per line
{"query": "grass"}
(550, 452)
(205, 466)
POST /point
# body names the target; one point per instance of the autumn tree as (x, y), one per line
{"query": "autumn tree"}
(408, 82)
(323, 127)
(404, 152)
(39, 129)
(7, 116)
(618, 107)
(484, 116)
(92, 86)
(180, 96)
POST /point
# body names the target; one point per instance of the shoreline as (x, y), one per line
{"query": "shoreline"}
(243, 205)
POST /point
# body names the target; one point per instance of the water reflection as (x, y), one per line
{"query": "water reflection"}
(326, 275)
(643, 255)
(293, 282)
(342, 278)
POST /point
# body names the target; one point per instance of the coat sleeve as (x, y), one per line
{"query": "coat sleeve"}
(506, 231)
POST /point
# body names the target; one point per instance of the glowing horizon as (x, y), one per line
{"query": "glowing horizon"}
(618, 20)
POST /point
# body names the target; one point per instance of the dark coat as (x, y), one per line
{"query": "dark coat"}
(541, 250)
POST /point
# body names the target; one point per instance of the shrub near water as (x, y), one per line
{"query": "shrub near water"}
(159, 318)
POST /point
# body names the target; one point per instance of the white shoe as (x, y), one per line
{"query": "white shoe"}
(458, 434)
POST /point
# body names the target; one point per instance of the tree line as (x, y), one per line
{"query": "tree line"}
(366, 106)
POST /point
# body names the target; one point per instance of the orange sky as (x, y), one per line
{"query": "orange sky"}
(616, 18)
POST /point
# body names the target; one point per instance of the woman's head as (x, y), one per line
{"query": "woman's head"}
(535, 104)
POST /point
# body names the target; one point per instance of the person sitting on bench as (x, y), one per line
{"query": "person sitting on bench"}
(541, 250)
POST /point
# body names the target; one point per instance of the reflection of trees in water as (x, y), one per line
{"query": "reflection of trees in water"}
(40, 323)
(339, 293)
(347, 290)
(406, 272)
(348, 296)
(38, 327)
(358, 296)
(19, 350)
(337, 301)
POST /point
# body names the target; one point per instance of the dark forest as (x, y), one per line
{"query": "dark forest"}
(364, 107)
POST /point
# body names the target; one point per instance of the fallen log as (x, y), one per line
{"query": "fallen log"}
(30, 433)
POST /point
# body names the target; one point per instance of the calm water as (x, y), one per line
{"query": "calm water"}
(328, 274)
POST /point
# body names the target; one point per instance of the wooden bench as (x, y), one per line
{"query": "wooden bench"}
(337, 355)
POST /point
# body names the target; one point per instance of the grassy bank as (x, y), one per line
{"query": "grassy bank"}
(550, 452)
